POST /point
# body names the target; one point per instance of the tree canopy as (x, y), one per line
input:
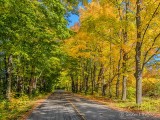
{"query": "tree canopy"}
(109, 52)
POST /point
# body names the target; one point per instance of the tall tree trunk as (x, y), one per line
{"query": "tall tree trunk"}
(138, 72)
(92, 80)
(1, 82)
(31, 82)
(93, 77)
(86, 84)
(86, 77)
(18, 89)
(76, 83)
(118, 77)
(104, 86)
(83, 77)
(1, 77)
(44, 84)
(125, 38)
(80, 83)
(5, 77)
(124, 81)
(99, 78)
(22, 76)
(35, 84)
(8, 77)
(19, 82)
(110, 72)
(73, 86)
(80, 77)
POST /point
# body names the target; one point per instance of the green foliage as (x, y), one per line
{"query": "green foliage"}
(131, 92)
(14, 109)
(155, 91)
(148, 105)
(32, 32)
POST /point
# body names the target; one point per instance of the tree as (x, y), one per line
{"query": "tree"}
(30, 40)
(141, 33)
(104, 43)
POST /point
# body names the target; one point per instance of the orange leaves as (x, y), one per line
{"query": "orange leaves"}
(93, 9)
(77, 46)
(98, 24)
(76, 27)
(84, 45)
(126, 47)
(109, 10)
(96, 10)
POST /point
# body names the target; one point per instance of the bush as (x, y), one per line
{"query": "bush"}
(131, 92)
(151, 87)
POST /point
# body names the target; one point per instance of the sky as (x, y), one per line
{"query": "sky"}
(74, 18)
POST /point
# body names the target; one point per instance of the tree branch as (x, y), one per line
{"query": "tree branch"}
(148, 24)
(145, 56)
(145, 62)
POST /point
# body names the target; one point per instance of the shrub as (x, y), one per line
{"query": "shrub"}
(131, 92)
(151, 87)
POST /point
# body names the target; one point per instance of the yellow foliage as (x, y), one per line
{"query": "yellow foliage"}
(149, 84)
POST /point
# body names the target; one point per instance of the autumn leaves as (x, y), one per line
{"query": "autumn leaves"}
(114, 37)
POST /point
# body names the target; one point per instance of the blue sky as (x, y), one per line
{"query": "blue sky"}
(74, 18)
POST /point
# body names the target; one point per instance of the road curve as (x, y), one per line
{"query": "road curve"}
(64, 106)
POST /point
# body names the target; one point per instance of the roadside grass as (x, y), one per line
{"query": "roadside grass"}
(149, 105)
(17, 107)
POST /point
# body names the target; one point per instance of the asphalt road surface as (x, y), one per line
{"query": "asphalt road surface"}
(64, 106)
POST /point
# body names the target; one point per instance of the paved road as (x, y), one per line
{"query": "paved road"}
(56, 107)
(64, 106)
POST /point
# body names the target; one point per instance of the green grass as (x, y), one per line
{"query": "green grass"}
(150, 105)
(17, 107)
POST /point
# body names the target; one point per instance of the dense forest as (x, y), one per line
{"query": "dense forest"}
(31, 33)
(113, 50)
